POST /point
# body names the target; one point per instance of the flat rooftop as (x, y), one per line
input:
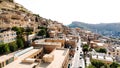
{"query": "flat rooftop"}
(54, 39)
(6, 57)
(104, 58)
(47, 43)
(59, 57)
(18, 62)
(100, 44)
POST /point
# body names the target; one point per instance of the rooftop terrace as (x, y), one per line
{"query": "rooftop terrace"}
(59, 57)
(18, 63)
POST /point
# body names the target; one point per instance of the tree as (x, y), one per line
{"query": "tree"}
(98, 64)
(12, 46)
(42, 32)
(40, 27)
(6, 48)
(114, 65)
(1, 49)
(85, 48)
(19, 30)
(20, 43)
(101, 50)
(15, 28)
(91, 66)
(28, 31)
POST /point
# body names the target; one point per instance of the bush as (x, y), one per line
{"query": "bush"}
(20, 43)
(42, 32)
(91, 66)
(114, 65)
(6, 48)
(13, 46)
(101, 50)
(19, 30)
(2, 49)
(85, 48)
(40, 27)
(98, 64)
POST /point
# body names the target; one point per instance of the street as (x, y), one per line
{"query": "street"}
(78, 61)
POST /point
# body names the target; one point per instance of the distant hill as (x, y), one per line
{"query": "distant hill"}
(106, 29)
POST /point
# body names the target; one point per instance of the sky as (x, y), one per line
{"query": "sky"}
(66, 11)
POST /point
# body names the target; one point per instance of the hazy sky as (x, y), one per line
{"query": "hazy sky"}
(66, 11)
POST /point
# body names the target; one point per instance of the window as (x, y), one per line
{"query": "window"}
(7, 62)
(0, 36)
(11, 59)
(109, 53)
(34, 56)
(117, 53)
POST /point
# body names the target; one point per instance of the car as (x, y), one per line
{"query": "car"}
(80, 67)
(68, 65)
(81, 55)
(77, 48)
(80, 52)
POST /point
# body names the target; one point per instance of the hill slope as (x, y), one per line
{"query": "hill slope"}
(106, 29)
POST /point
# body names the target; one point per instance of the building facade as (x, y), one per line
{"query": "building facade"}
(7, 36)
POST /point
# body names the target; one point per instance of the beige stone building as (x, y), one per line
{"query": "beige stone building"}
(114, 50)
(36, 58)
(58, 58)
(103, 57)
(7, 36)
(54, 29)
(17, 59)
(96, 44)
(71, 43)
(49, 44)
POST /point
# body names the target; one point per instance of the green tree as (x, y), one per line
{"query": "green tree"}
(6, 48)
(15, 28)
(40, 27)
(1, 49)
(98, 64)
(42, 32)
(19, 30)
(101, 50)
(12, 46)
(20, 43)
(91, 66)
(114, 65)
(28, 30)
(85, 48)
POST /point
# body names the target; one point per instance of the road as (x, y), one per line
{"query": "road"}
(77, 60)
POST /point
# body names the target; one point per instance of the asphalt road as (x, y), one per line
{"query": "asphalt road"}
(78, 60)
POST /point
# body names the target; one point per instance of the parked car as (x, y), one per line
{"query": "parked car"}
(68, 65)
(77, 48)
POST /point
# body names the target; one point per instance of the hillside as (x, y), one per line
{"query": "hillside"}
(106, 29)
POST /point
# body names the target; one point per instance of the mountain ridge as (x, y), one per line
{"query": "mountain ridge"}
(107, 29)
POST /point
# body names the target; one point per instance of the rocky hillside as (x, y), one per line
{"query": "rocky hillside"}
(13, 14)
(107, 29)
